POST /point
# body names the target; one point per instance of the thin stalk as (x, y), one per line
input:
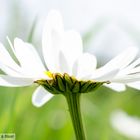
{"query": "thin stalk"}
(73, 101)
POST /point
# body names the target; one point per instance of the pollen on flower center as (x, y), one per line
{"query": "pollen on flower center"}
(63, 83)
(49, 74)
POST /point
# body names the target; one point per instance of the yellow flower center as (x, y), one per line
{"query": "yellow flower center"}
(49, 74)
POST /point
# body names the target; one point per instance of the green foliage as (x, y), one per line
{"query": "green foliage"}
(52, 121)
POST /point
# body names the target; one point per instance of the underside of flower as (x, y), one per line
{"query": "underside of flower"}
(63, 83)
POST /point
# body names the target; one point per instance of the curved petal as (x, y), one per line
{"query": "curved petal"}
(123, 59)
(127, 79)
(41, 96)
(104, 74)
(135, 85)
(9, 81)
(7, 64)
(72, 47)
(52, 39)
(85, 65)
(134, 64)
(55, 40)
(116, 86)
(29, 59)
(63, 64)
(6, 59)
(10, 71)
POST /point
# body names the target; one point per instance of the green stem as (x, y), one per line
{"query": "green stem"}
(73, 100)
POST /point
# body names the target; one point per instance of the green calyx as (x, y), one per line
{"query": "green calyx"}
(61, 84)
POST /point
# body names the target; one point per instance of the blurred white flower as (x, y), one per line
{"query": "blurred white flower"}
(4, 16)
(90, 10)
(126, 125)
(63, 54)
(111, 37)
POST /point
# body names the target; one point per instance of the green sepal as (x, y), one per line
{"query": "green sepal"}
(76, 87)
(62, 84)
(84, 86)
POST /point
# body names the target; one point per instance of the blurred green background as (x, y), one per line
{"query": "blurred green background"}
(52, 121)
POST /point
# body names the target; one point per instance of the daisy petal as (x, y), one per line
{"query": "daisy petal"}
(28, 58)
(9, 81)
(63, 65)
(127, 79)
(84, 66)
(123, 59)
(41, 96)
(72, 47)
(10, 71)
(104, 74)
(134, 64)
(135, 85)
(6, 59)
(116, 86)
(52, 39)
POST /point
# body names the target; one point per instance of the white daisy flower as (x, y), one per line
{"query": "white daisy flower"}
(126, 125)
(67, 68)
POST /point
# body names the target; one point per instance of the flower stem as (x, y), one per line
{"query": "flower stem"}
(73, 100)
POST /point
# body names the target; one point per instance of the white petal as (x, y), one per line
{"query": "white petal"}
(10, 71)
(134, 70)
(116, 86)
(85, 65)
(9, 81)
(103, 74)
(123, 59)
(63, 64)
(135, 85)
(28, 58)
(55, 40)
(127, 79)
(126, 125)
(41, 96)
(131, 69)
(134, 64)
(6, 59)
(72, 47)
(52, 39)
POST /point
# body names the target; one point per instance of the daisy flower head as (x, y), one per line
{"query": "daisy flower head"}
(67, 68)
